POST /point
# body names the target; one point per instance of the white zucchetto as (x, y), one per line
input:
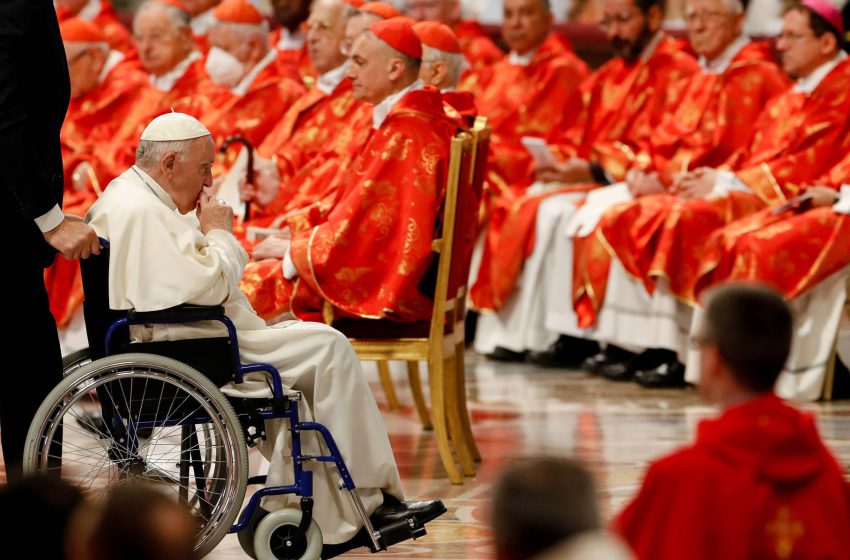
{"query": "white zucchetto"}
(172, 127)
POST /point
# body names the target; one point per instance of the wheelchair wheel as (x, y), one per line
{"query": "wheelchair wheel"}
(273, 538)
(75, 360)
(163, 423)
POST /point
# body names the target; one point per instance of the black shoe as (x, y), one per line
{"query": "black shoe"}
(391, 512)
(609, 356)
(502, 354)
(668, 374)
(566, 352)
(626, 369)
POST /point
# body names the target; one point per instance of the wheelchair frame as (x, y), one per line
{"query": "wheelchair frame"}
(283, 405)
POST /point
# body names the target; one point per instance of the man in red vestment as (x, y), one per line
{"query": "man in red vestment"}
(533, 92)
(661, 239)
(622, 105)
(322, 129)
(167, 51)
(758, 482)
(801, 250)
(241, 60)
(102, 14)
(367, 251)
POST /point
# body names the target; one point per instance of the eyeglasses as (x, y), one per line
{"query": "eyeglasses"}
(792, 37)
(318, 26)
(705, 17)
(621, 18)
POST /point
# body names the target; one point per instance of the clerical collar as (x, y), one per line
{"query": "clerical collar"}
(242, 87)
(202, 22)
(807, 84)
(113, 60)
(650, 47)
(90, 10)
(382, 109)
(331, 79)
(290, 41)
(154, 187)
(166, 81)
(521, 59)
(721, 62)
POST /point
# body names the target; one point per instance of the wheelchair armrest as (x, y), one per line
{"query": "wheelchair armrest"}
(180, 313)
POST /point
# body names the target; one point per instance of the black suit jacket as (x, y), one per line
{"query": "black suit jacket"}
(34, 94)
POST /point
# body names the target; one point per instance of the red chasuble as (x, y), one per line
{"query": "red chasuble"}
(367, 252)
(297, 59)
(622, 106)
(106, 20)
(715, 119)
(790, 251)
(757, 483)
(796, 140)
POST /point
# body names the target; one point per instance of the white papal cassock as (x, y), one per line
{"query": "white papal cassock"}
(160, 259)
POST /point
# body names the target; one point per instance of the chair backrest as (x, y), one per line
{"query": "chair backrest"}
(464, 185)
(96, 311)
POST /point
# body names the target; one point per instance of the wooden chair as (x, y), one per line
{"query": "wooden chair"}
(439, 340)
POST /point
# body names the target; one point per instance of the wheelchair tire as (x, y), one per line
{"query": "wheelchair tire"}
(271, 540)
(155, 406)
(75, 360)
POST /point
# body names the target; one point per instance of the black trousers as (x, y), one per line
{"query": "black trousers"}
(33, 360)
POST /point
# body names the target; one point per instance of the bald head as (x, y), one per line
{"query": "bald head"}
(163, 36)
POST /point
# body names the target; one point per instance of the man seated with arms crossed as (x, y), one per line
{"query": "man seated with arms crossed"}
(758, 482)
(162, 258)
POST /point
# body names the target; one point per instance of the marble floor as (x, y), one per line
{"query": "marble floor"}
(520, 411)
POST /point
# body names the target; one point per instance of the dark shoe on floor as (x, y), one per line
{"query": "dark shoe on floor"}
(624, 370)
(390, 512)
(609, 356)
(566, 352)
(501, 354)
(668, 374)
(394, 510)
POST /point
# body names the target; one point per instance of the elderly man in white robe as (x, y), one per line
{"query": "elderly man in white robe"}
(171, 243)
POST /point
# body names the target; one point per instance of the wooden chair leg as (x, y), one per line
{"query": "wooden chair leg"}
(438, 415)
(418, 395)
(462, 408)
(387, 384)
(467, 463)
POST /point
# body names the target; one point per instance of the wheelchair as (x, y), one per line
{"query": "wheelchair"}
(145, 412)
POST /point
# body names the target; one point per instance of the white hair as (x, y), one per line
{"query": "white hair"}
(178, 17)
(453, 62)
(150, 152)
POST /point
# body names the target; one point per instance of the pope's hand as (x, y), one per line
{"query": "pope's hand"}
(213, 214)
(74, 239)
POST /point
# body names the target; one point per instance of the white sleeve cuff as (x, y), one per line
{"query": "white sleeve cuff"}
(50, 220)
(289, 270)
(726, 182)
(842, 206)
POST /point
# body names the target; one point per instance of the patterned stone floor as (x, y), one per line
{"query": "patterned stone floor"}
(520, 411)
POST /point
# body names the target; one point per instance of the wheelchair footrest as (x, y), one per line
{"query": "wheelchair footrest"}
(400, 531)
